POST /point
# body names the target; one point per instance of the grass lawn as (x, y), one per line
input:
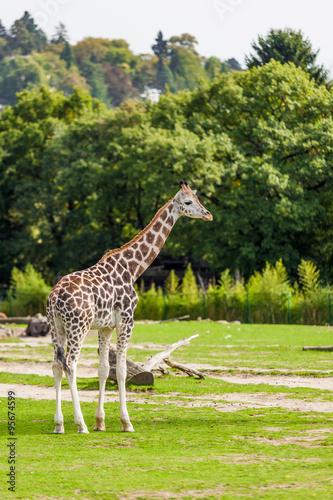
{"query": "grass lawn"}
(182, 449)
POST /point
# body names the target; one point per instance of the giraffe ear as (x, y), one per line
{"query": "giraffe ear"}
(194, 191)
(177, 198)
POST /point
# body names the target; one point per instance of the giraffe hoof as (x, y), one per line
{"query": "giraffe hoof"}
(83, 431)
(127, 428)
(99, 428)
(100, 424)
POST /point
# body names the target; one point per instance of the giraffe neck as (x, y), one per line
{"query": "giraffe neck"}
(144, 248)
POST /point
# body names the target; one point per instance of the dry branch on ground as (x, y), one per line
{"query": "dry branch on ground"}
(141, 374)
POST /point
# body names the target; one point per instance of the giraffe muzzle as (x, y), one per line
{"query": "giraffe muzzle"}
(208, 216)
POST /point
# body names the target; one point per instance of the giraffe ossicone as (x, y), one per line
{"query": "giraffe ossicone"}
(103, 297)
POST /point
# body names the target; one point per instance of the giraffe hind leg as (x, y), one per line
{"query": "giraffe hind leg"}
(57, 368)
(58, 417)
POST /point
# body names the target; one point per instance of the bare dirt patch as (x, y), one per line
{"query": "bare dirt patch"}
(44, 369)
(309, 439)
(168, 495)
(86, 370)
(325, 383)
(224, 403)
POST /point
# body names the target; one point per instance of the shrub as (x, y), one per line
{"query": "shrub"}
(268, 292)
(29, 291)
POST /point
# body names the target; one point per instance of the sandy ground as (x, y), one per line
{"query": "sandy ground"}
(227, 402)
(223, 403)
(42, 369)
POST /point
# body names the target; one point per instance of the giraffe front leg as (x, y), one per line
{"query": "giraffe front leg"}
(123, 336)
(104, 337)
(58, 417)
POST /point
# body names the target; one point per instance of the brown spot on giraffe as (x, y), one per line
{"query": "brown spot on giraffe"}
(157, 226)
(150, 237)
(159, 242)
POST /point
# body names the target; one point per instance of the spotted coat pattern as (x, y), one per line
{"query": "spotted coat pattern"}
(103, 297)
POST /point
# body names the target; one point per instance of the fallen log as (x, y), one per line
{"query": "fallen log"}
(159, 357)
(136, 374)
(141, 374)
(323, 348)
(19, 320)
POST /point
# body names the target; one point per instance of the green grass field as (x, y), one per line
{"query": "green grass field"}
(191, 439)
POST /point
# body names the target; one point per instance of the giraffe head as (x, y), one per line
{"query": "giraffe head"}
(188, 203)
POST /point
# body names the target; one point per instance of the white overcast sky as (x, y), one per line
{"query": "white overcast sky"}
(224, 28)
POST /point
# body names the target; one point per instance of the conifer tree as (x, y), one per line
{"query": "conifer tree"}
(61, 35)
(160, 49)
(67, 55)
(189, 286)
(171, 284)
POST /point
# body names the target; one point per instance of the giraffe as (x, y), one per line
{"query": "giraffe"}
(103, 297)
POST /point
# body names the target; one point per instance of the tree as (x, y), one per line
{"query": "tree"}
(186, 68)
(171, 284)
(257, 145)
(4, 45)
(287, 46)
(16, 75)
(119, 84)
(67, 55)
(121, 56)
(3, 31)
(94, 73)
(91, 49)
(61, 35)
(233, 64)
(146, 71)
(189, 286)
(25, 36)
(56, 74)
(186, 41)
(35, 231)
(214, 67)
(160, 49)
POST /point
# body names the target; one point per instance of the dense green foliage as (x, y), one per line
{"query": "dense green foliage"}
(109, 69)
(78, 179)
(28, 292)
(287, 46)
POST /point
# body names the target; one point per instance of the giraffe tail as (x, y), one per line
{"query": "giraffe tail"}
(60, 350)
(62, 359)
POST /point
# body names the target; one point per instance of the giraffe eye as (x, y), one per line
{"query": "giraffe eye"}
(188, 202)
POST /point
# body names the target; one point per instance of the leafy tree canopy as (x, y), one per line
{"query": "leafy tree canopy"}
(287, 46)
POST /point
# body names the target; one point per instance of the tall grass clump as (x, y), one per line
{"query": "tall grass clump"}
(311, 304)
(268, 294)
(226, 300)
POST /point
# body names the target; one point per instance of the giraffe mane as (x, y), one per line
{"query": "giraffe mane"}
(141, 233)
